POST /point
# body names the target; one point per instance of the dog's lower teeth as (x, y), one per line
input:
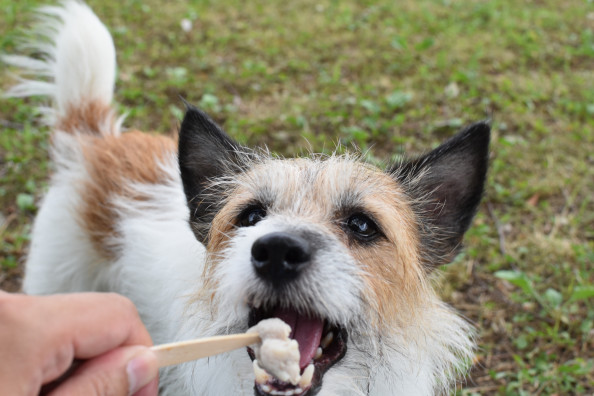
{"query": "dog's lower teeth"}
(327, 340)
(307, 376)
(266, 388)
(261, 375)
(283, 393)
(318, 353)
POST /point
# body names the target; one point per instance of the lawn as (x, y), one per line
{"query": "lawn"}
(387, 77)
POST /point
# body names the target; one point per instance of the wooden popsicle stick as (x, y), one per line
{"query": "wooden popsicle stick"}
(184, 351)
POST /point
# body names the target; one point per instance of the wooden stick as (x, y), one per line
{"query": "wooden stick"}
(184, 351)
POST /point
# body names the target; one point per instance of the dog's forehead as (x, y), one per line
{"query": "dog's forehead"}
(318, 185)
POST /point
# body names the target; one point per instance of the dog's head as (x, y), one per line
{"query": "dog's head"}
(337, 248)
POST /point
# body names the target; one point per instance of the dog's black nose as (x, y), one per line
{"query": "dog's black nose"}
(279, 257)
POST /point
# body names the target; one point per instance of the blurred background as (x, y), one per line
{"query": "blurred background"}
(387, 77)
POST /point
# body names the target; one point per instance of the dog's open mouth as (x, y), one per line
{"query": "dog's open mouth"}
(321, 345)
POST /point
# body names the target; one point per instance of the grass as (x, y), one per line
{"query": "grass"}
(391, 77)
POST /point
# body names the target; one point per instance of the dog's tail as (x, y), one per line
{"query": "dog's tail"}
(74, 65)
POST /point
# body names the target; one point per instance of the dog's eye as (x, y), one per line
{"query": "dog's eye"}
(251, 216)
(362, 227)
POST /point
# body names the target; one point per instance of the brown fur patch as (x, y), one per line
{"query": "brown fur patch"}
(393, 270)
(391, 267)
(221, 230)
(112, 162)
(94, 118)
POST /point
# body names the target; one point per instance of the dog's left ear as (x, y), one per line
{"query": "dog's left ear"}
(205, 152)
(446, 186)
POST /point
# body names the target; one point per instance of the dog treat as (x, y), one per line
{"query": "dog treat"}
(277, 354)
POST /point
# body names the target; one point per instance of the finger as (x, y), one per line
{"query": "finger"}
(124, 371)
(80, 326)
(94, 323)
(151, 389)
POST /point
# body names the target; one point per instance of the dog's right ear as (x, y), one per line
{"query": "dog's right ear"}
(205, 152)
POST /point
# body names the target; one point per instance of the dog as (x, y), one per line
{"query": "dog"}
(208, 237)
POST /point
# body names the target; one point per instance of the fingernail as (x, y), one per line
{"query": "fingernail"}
(141, 370)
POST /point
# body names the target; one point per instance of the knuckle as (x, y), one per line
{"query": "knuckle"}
(102, 384)
(124, 303)
(5, 306)
(97, 383)
(13, 307)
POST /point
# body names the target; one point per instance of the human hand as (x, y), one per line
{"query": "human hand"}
(40, 338)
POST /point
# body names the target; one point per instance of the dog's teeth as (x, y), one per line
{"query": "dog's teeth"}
(266, 388)
(327, 340)
(282, 393)
(290, 392)
(318, 353)
(307, 376)
(261, 375)
(298, 390)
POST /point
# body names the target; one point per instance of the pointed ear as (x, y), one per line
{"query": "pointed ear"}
(205, 152)
(446, 186)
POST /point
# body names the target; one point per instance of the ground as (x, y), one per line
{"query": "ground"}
(388, 77)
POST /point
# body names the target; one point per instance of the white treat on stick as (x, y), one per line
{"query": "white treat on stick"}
(277, 354)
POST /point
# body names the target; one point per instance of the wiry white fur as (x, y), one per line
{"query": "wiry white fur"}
(61, 257)
(77, 65)
(160, 263)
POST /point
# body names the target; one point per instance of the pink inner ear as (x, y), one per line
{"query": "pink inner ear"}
(306, 331)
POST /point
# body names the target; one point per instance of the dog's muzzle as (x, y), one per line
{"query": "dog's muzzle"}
(279, 259)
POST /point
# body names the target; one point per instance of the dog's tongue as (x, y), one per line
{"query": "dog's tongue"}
(307, 331)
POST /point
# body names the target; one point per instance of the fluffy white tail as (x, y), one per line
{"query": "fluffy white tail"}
(74, 65)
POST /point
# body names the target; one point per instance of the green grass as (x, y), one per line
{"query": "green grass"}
(392, 77)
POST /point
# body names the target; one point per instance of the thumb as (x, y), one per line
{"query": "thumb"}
(124, 371)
